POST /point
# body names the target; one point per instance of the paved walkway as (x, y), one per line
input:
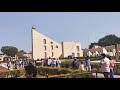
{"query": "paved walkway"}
(98, 61)
(4, 65)
(2, 68)
(101, 75)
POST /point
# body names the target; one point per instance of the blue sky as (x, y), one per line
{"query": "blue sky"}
(83, 27)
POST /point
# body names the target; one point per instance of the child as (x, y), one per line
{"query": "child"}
(81, 66)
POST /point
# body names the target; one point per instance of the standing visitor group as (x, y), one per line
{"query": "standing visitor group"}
(107, 65)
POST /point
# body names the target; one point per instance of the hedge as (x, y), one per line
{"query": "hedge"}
(55, 71)
(48, 71)
(67, 64)
(41, 71)
(11, 73)
(117, 69)
(75, 75)
(45, 71)
(83, 58)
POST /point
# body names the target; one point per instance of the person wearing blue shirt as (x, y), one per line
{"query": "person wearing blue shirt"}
(88, 64)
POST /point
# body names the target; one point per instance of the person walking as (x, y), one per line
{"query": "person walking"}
(49, 62)
(42, 62)
(8, 65)
(81, 66)
(105, 66)
(74, 64)
(88, 64)
(112, 67)
(31, 71)
(58, 62)
(15, 65)
(54, 63)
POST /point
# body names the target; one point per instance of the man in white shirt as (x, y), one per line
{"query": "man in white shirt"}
(105, 68)
(58, 62)
(49, 62)
(54, 63)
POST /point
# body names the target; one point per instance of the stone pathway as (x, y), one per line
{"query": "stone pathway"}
(101, 75)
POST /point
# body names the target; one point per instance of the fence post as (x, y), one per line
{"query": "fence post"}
(96, 72)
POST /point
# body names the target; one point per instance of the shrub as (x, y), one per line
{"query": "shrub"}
(95, 65)
(64, 71)
(66, 64)
(92, 58)
(75, 75)
(47, 70)
(61, 72)
(4, 74)
(52, 71)
(82, 75)
(76, 71)
(117, 69)
(83, 58)
(11, 73)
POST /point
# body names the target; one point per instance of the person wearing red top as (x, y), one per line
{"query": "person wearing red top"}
(112, 67)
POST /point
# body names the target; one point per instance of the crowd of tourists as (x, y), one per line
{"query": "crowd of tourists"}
(107, 64)
(17, 64)
(50, 62)
(83, 66)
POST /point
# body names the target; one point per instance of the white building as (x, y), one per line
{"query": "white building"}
(28, 55)
(2, 57)
(43, 46)
(108, 50)
(71, 48)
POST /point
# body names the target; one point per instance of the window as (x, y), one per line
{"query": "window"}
(51, 47)
(78, 54)
(77, 48)
(45, 54)
(45, 48)
(51, 42)
(56, 46)
(44, 41)
(52, 54)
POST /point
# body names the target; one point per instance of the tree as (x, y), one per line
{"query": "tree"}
(20, 54)
(9, 50)
(92, 44)
(22, 51)
(109, 40)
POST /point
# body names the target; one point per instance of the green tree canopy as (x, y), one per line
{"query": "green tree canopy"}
(20, 54)
(9, 50)
(92, 44)
(22, 51)
(107, 41)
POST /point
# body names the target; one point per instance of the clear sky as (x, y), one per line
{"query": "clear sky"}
(83, 27)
